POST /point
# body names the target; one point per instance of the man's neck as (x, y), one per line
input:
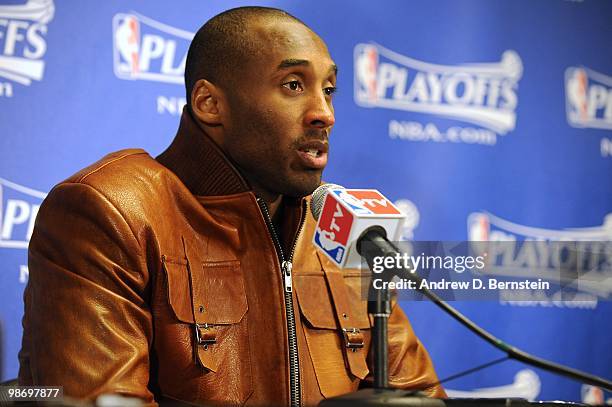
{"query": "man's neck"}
(274, 204)
(272, 201)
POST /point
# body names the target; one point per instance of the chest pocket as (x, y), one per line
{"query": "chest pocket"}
(210, 297)
(337, 328)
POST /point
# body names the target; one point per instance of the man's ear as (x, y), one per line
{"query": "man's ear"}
(207, 102)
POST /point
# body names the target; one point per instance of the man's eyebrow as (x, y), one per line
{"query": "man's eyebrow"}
(290, 63)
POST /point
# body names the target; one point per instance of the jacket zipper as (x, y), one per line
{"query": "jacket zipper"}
(286, 268)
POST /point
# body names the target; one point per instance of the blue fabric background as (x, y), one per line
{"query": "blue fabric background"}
(544, 172)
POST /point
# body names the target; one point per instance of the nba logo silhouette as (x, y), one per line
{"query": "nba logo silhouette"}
(577, 83)
(332, 232)
(127, 45)
(366, 71)
(367, 202)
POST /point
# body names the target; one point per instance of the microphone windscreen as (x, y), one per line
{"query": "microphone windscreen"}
(318, 198)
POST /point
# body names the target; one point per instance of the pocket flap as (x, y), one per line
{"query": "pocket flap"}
(316, 306)
(217, 288)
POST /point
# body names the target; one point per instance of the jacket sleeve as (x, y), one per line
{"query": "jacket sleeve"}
(87, 325)
(410, 366)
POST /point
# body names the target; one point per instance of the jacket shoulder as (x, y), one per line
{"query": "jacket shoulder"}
(131, 180)
(133, 161)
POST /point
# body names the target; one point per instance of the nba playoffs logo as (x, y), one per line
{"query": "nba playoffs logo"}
(146, 49)
(23, 28)
(577, 257)
(484, 226)
(18, 208)
(484, 94)
(588, 98)
(333, 229)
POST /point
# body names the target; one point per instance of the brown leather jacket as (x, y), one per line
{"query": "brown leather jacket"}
(163, 278)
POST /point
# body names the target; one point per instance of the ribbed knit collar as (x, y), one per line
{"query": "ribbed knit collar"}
(199, 162)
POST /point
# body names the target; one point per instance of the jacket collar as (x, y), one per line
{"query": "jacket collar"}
(200, 163)
(206, 171)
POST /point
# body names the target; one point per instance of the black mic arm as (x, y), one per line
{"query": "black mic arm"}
(373, 243)
(379, 306)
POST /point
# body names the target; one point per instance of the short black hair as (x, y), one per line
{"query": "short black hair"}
(223, 43)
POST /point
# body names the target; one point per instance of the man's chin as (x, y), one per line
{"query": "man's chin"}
(303, 187)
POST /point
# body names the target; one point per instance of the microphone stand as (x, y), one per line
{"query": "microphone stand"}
(378, 246)
(380, 310)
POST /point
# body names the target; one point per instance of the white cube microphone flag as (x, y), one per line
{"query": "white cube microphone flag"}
(344, 214)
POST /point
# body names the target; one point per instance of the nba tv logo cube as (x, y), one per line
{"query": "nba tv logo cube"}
(345, 215)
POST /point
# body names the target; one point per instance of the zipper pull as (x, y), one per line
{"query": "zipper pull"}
(287, 266)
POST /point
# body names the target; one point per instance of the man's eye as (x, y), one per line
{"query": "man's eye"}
(330, 90)
(295, 86)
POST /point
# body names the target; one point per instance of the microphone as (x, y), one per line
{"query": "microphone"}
(349, 218)
(346, 219)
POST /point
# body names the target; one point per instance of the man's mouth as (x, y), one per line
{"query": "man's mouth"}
(313, 154)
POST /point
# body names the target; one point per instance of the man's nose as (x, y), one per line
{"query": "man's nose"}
(320, 113)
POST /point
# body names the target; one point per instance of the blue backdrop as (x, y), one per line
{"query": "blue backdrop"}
(481, 119)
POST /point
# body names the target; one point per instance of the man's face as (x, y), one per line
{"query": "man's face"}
(280, 110)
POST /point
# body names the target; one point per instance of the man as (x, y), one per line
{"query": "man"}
(191, 276)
